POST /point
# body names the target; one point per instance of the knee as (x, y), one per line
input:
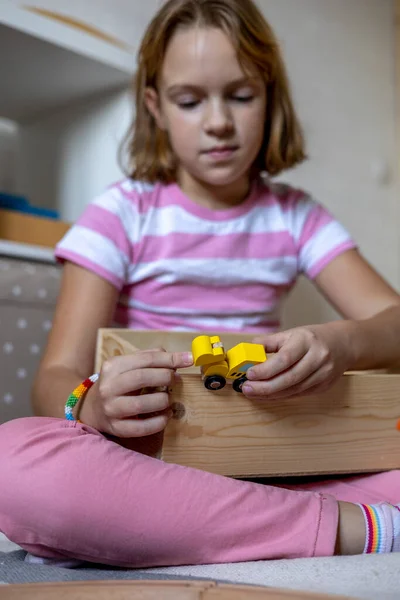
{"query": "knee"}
(32, 453)
(16, 438)
(19, 444)
(27, 448)
(14, 486)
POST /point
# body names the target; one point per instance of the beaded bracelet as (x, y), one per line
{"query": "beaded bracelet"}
(77, 395)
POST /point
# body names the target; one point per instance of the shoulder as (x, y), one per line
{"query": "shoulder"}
(292, 205)
(303, 217)
(287, 197)
(126, 196)
(114, 215)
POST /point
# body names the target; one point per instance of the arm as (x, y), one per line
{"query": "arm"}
(112, 404)
(310, 359)
(69, 355)
(371, 307)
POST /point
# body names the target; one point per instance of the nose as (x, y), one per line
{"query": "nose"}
(218, 119)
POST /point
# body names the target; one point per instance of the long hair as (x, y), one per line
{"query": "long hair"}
(150, 157)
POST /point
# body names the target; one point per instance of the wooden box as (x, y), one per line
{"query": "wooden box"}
(352, 428)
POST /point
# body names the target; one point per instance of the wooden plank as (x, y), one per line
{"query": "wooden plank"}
(153, 590)
(111, 343)
(349, 429)
(30, 229)
(106, 590)
(243, 592)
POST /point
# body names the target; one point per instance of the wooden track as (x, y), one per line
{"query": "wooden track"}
(152, 590)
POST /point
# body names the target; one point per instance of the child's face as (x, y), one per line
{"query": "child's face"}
(213, 111)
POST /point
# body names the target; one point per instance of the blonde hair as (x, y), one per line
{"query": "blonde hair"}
(150, 157)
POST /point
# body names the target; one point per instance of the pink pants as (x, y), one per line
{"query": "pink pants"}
(67, 491)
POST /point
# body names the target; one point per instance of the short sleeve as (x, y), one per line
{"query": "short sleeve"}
(99, 240)
(318, 236)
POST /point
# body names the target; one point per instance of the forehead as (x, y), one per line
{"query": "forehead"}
(201, 56)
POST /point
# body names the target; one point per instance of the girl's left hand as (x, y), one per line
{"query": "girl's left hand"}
(308, 360)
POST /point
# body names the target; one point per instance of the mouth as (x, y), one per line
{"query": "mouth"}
(221, 152)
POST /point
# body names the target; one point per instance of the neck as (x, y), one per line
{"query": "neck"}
(214, 197)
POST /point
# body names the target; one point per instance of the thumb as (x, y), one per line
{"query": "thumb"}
(272, 342)
(180, 360)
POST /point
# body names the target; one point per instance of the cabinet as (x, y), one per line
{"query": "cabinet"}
(64, 80)
(47, 63)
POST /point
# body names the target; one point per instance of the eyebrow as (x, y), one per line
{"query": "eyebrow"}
(179, 87)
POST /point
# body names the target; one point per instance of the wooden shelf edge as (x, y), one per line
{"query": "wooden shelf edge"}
(31, 229)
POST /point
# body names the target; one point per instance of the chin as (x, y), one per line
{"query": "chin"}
(222, 179)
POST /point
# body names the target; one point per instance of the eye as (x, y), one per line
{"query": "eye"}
(243, 94)
(187, 103)
(243, 98)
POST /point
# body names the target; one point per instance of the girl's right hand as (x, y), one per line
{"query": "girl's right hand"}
(133, 385)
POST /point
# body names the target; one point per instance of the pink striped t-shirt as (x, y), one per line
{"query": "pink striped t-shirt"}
(181, 266)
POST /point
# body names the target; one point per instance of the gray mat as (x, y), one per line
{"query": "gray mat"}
(367, 577)
(13, 569)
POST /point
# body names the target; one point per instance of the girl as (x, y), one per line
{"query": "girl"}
(196, 238)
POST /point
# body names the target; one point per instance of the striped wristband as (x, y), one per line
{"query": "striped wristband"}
(378, 527)
(77, 395)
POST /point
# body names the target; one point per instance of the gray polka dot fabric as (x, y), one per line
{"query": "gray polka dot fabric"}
(28, 294)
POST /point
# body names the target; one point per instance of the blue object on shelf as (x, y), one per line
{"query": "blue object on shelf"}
(20, 204)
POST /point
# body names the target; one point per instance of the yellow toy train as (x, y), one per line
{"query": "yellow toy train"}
(217, 365)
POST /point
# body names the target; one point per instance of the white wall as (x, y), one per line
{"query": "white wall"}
(68, 158)
(341, 61)
(8, 156)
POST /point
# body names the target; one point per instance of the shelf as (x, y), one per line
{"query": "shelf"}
(26, 252)
(21, 228)
(45, 65)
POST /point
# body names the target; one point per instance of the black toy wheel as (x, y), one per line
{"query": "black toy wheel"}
(214, 382)
(237, 384)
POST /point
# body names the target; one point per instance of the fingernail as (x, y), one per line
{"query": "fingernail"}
(247, 389)
(187, 358)
(250, 374)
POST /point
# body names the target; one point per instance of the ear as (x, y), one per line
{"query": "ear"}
(152, 101)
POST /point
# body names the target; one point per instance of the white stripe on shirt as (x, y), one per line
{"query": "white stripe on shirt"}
(272, 271)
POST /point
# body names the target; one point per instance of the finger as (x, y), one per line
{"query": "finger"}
(147, 359)
(151, 390)
(130, 406)
(131, 428)
(314, 384)
(292, 376)
(287, 356)
(271, 342)
(135, 380)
